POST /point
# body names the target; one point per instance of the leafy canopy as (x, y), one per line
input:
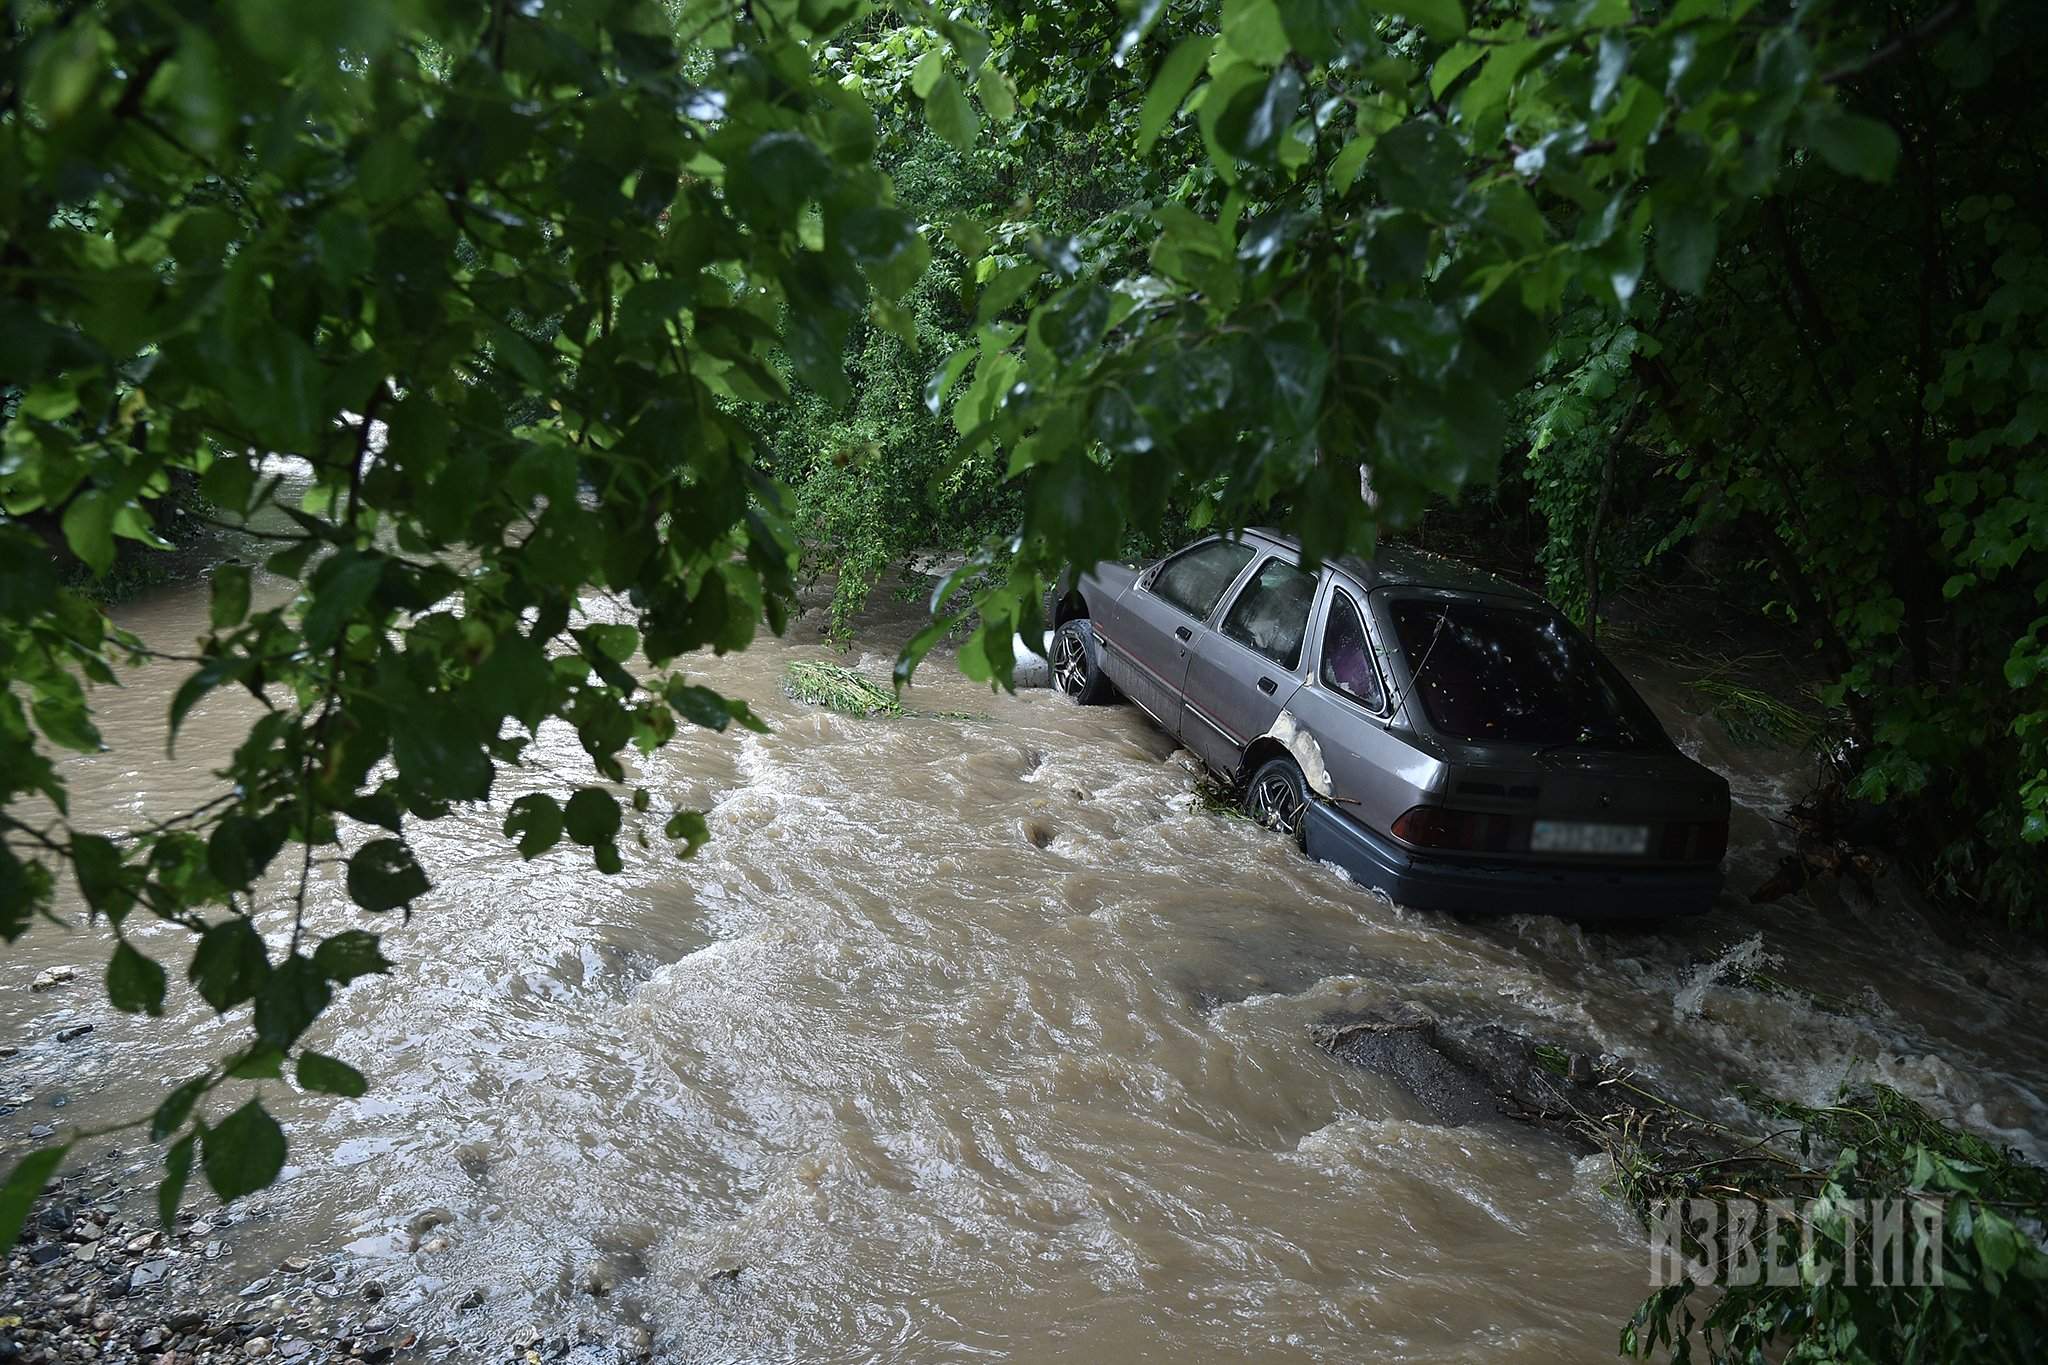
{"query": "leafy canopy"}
(519, 282)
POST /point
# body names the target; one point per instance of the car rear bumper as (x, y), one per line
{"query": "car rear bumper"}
(1504, 888)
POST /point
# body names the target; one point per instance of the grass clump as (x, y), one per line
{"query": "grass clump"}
(840, 689)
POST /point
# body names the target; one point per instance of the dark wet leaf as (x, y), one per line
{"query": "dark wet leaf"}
(592, 816)
(243, 1153)
(230, 963)
(329, 1076)
(135, 984)
(383, 875)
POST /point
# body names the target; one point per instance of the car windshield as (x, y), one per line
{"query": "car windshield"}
(1518, 676)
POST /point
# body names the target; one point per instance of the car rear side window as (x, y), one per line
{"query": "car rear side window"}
(1347, 655)
(1519, 676)
(1193, 579)
(1271, 614)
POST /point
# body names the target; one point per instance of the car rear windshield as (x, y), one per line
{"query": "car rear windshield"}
(1517, 676)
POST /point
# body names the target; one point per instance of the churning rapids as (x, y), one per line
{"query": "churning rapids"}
(983, 1038)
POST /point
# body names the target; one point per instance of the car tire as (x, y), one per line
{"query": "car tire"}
(1077, 665)
(1277, 796)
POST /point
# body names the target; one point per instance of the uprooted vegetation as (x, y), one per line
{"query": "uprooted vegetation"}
(1817, 1166)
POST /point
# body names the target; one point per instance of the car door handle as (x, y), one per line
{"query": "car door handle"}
(1184, 633)
(1268, 686)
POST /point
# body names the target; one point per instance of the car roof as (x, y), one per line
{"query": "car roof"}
(1405, 566)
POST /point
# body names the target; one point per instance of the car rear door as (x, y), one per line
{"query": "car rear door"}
(1245, 669)
(1158, 618)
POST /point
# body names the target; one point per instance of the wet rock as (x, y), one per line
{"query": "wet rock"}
(44, 1253)
(147, 1274)
(146, 1242)
(54, 1218)
(51, 977)
(1465, 1074)
(256, 1287)
(256, 1346)
(474, 1299)
(294, 1348)
(76, 1031)
(372, 1291)
(296, 1265)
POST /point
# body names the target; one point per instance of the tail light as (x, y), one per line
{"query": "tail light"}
(1695, 841)
(1468, 831)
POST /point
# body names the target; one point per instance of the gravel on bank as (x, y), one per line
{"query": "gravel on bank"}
(89, 1280)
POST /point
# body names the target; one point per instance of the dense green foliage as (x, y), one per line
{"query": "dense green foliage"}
(1989, 1303)
(559, 299)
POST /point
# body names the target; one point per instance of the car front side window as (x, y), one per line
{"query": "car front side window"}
(1271, 614)
(1347, 655)
(1194, 579)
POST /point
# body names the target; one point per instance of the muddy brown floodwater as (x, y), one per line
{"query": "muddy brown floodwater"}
(982, 1038)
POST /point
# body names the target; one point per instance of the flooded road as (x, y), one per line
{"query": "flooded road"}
(983, 1038)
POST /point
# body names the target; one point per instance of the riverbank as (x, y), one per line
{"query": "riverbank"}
(93, 1280)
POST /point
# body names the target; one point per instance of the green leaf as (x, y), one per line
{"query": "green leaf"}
(606, 857)
(690, 827)
(230, 963)
(698, 705)
(951, 116)
(383, 875)
(592, 816)
(1170, 85)
(343, 957)
(1440, 19)
(535, 820)
(1685, 244)
(929, 71)
(1855, 145)
(329, 1076)
(24, 1183)
(341, 588)
(1258, 114)
(243, 1153)
(177, 1175)
(101, 877)
(135, 984)
(996, 96)
(170, 1116)
(1252, 29)
(261, 1062)
(1348, 163)
(89, 529)
(290, 1001)
(230, 595)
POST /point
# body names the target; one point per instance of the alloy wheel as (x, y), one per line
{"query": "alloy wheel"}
(1275, 805)
(1069, 663)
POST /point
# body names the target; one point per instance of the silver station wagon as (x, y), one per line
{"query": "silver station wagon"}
(1437, 732)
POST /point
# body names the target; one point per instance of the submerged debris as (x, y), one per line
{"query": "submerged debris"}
(841, 689)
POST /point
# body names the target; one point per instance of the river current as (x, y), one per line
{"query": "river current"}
(978, 1035)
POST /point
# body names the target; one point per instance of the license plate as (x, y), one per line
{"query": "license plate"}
(1579, 836)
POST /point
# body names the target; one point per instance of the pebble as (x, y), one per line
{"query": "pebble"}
(214, 1249)
(257, 1346)
(291, 1348)
(85, 1251)
(42, 1130)
(148, 1273)
(145, 1242)
(255, 1287)
(65, 1035)
(53, 976)
(296, 1265)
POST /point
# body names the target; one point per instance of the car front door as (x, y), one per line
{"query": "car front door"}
(1158, 618)
(1245, 670)
(1347, 708)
